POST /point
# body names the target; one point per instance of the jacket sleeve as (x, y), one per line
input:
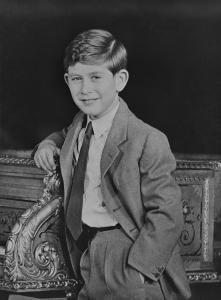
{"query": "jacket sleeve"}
(163, 218)
(57, 138)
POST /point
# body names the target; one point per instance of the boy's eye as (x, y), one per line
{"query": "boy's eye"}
(95, 77)
(75, 78)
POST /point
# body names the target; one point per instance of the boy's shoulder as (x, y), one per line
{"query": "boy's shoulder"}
(141, 133)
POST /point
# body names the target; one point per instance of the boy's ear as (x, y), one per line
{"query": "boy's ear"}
(121, 78)
(66, 78)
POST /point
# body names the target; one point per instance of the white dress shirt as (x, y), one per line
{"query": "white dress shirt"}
(94, 212)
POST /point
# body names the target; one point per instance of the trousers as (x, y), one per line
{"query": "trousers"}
(107, 275)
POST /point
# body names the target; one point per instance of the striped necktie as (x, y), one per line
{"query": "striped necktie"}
(74, 209)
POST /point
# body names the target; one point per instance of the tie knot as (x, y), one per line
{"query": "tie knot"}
(89, 130)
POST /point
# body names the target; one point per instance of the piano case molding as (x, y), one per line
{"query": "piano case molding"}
(32, 246)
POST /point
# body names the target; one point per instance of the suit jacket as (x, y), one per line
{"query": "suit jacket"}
(138, 188)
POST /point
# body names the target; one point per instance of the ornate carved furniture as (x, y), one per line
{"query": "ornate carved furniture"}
(200, 185)
(32, 232)
(32, 247)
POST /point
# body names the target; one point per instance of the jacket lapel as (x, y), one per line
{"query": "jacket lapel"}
(116, 136)
(67, 154)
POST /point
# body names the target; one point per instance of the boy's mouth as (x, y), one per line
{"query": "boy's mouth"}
(89, 100)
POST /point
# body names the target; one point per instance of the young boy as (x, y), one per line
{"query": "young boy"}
(124, 211)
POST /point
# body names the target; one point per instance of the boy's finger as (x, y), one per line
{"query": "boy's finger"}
(57, 151)
(38, 161)
(44, 165)
(50, 161)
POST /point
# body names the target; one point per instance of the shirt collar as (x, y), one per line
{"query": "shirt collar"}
(103, 124)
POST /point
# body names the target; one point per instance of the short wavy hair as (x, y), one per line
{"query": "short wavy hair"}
(96, 46)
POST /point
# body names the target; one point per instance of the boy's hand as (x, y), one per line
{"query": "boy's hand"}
(45, 154)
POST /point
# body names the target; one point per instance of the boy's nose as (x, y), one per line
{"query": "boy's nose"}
(86, 86)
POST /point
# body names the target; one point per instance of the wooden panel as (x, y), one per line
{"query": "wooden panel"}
(198, 200)
(200, 195)
(21, 184)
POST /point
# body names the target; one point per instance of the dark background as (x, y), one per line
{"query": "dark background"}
(174, 63)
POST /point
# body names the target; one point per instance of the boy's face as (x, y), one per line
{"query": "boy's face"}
(94, 88)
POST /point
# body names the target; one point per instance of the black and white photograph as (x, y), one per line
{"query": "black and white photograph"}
(110, 150)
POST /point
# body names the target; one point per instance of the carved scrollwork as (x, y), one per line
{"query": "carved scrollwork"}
(31, 254)
(202, 276)
(53, 184)
(23, 286)
(188, 234)
(192, 198)
(44, 253)
(10, 160)
(196, 165)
